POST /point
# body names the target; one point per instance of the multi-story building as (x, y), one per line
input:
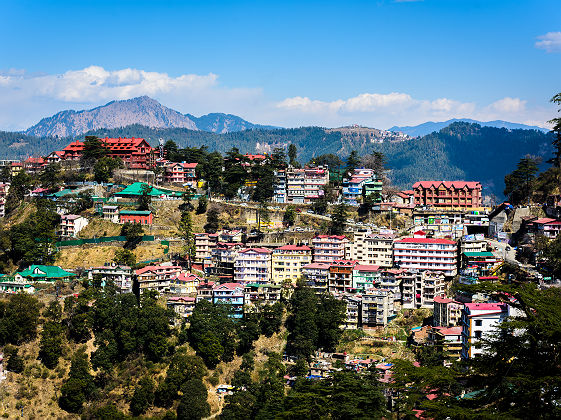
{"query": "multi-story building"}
(183, 306)
(111, 213)
(353, 312)
(448, 194)
(142, 217)
(419, 288)
(328, 248)
(181, 173)
(71, 225)
(253, 265)
(353, 187)
(204, 244)
(377, 307)
(287, 262)
(300, 186)
(231, 294)
(341, 276)
(134, 152)
(426, 254)
(317, 276)
(357, 249)
(379, 249)
(480, 320)
(365, 277)
(34, 165)
(223, 259)
(204, 291)
(119, 275)
(184, 284)
(257, 294)
(446, 312)
(550, 228)
(449, 339)
(3, 193)
(156, 277)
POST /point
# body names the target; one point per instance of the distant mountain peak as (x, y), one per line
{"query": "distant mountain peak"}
(141, 110)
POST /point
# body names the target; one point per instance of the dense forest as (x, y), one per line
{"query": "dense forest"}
(459, 151)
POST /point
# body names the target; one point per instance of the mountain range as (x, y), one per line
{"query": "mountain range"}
(430, 126)
(142, 110)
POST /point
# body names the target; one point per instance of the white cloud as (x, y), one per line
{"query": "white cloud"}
(550, 42)
(26, 98)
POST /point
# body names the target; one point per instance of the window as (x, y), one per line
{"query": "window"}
(478, 323)
(477, 334)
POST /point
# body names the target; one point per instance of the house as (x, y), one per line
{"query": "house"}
(317, 276)
(391, 279)
(204, 291)
(379, 249)
(111, 213)
(253, 265)
(426, 254)
(183, 306)
(185, 284)
(353, 187)
(4, 187)
(119, 275)
(449, 339)
(483, 262)
(545, 226)
(377, 307)
(204, 244)
(353, 310)
(287, 262)
(365, 276)
(420, 288)
(48, 273)
(136, 153)
(8, 284)
(356, 248)
(142, 217)
(340, 278)
(300, 185)
(135, 190)
(223, 259)
(328, 248)
(231, 294)
(156, 277)
(55, 157)
(71, 225)
(181, 173)
(34, 165)
(480, 320)
(446, 312)
(448, 194)
(256, 293)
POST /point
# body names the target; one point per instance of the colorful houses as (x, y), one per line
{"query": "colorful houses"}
(317, 276)
(340, 278)
(362, 181)
(119, 275)
(181, 173)
(448, 194)
(231, 294)
(287, 262)
(156, 277)
(47, 273)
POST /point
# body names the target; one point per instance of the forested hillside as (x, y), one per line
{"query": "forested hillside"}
(459, 151)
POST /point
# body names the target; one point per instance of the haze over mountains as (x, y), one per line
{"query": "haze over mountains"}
(142, 110)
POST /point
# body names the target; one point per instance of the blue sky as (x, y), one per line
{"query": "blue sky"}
(376, 63)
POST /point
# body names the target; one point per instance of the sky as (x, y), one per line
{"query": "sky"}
(376, 63)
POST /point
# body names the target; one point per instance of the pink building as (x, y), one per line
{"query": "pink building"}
(328, 248)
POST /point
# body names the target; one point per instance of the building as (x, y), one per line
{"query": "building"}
(181, 173)
(448, 339)
(328, 248)
(142, 217)
(204, 244)
(71, 225)
(497, 219)
(340, 278)
(300, 185)
(134, 152)
(183, 306)
(454, 223)
(427, 286)
(47, 273)
(156, 277)
(253, 265)
(111, 213)
(204, 291)
(379, 249)
(34, 165)
(257, 294)
(448, 194)
(391, 279)
(426, 254)
(224, 256)
(231, 294)
(287, 262)
(119, 275)
(545, 226)
(365, 277)
(446, 312)
(3, 194)
(353, 187)
(185, 284)
(317, 276)
(482, 262)
(480, 320)
(357, 249)
(353, 311)
(377, 307)
(473, 243)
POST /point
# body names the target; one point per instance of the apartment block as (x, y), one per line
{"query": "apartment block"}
(223, 258)
(377, 307)
(357, 248)
(71, 225)
(204, 244)
(287, 262)
(328, 248)
(300, 186)
(231, 294)
(365, 277)
(426, 254)
(446, 312)
(317, 276)
(379, 249)
(156, 277)
(119, 275)
(253, 265)
(448, 194)
(480, 320)
(341, 276)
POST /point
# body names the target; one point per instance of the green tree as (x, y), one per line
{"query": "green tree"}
(338, 219)
(133, 233)
(301, 323)
(353, 161)
(331, 314)
(320, 205)
(83, 202)
(93, 151)
(6, 174)
(171, 150)
(202, 205)
(520, 184)
(79, 387)
(20, 186)
(193, 404)
(50, 347)
(289, 217)
(124, 257)
(377, 162)
(265, 178)
(292, 155)
(278, 158)
(556, 130)
(271, 321)
(143, 396)
(104, 168)
(212, 173)
(19, 318)
(15, 361)
(50, 176)
(187, 234)
(145, 198)
(212, 220)
(181, 368)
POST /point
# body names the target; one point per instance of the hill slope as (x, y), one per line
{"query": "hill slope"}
(430, 126)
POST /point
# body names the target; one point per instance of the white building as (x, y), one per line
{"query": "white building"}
(111, 213)
(71, 225)
(480, 320)
(119, 275)
(3, 193)
(426, 254)
(156, 277)
(328, 248)
(379, 249)
(357, 248)
(421, 287)
(253, 265)
(377, 307)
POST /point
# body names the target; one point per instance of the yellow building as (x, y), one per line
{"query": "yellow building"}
(287, 262)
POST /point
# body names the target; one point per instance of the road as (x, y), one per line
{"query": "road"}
(509, 255)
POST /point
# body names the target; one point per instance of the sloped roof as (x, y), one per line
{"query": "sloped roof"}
(45, 271)
(136, 189)
(426, 241)
(295, 248)
(447, 184)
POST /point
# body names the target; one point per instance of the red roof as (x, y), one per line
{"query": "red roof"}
(543, 221)
(230, 286)
(367, 267)
(331, 237)
(426, 241)
(317, 265)
(187, 277)
(451, 331)
(485, 306)
(295, 248)
(438, 299)
(447, 184)
(258, 250)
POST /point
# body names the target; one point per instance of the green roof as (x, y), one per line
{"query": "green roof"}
(479, 254)
(45, 271)
(135, 212)
(262, 285)
(136, 189)
(63, 193)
